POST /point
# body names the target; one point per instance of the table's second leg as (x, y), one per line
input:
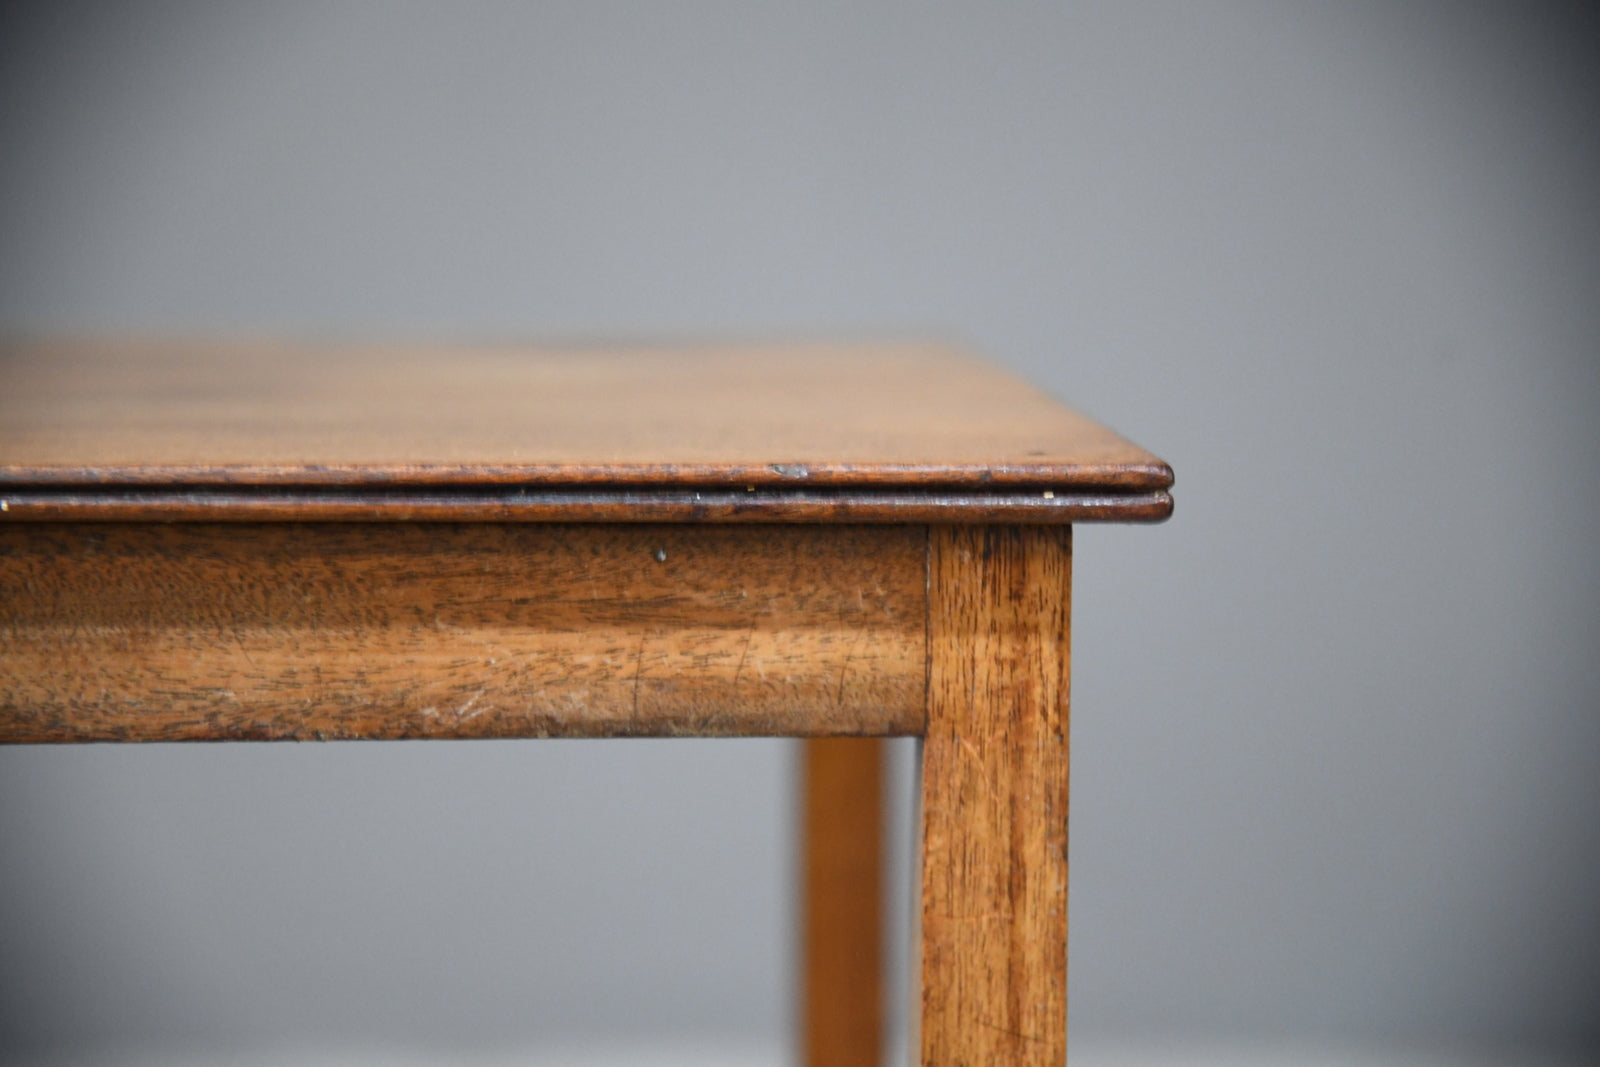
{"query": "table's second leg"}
(994, 798)
(842, 808)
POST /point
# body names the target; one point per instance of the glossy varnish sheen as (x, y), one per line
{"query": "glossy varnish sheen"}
(191, 631)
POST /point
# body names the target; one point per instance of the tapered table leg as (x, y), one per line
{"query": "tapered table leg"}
(994, 798)
(842, 783)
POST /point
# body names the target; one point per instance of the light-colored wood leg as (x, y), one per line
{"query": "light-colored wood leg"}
(843, 951)
(994, 798)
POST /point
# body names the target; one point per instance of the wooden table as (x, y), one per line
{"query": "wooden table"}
(262, 542)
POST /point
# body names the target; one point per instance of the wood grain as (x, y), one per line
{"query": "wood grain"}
(842, 922)
(192, 631)
(994, 798)
(183, 415)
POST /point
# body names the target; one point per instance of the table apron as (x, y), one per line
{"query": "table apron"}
(301, 631)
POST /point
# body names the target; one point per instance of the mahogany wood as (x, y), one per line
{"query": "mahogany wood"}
(196, 632)
(994, 798)
(206, 540)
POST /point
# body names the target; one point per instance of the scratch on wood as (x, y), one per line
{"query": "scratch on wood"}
(744, 651)
(238, 639)
(838, 698)
(1014, 1033)
(461, 712)
(638, 670)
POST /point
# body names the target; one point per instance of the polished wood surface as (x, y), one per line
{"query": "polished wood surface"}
(994, 798)
(189, 632)
(802, 432)
(842, 814)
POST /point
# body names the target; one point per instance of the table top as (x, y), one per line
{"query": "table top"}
(796, 432)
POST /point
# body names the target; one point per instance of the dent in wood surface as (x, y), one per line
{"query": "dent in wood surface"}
(994, 797)
(175, 632)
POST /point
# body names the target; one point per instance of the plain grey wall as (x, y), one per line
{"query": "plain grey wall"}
(1337, 726)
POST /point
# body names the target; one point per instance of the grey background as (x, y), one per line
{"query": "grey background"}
(1336, 749)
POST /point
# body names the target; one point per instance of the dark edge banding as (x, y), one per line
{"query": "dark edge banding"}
(311, 504)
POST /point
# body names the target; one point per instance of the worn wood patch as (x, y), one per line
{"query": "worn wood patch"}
(156, 632)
